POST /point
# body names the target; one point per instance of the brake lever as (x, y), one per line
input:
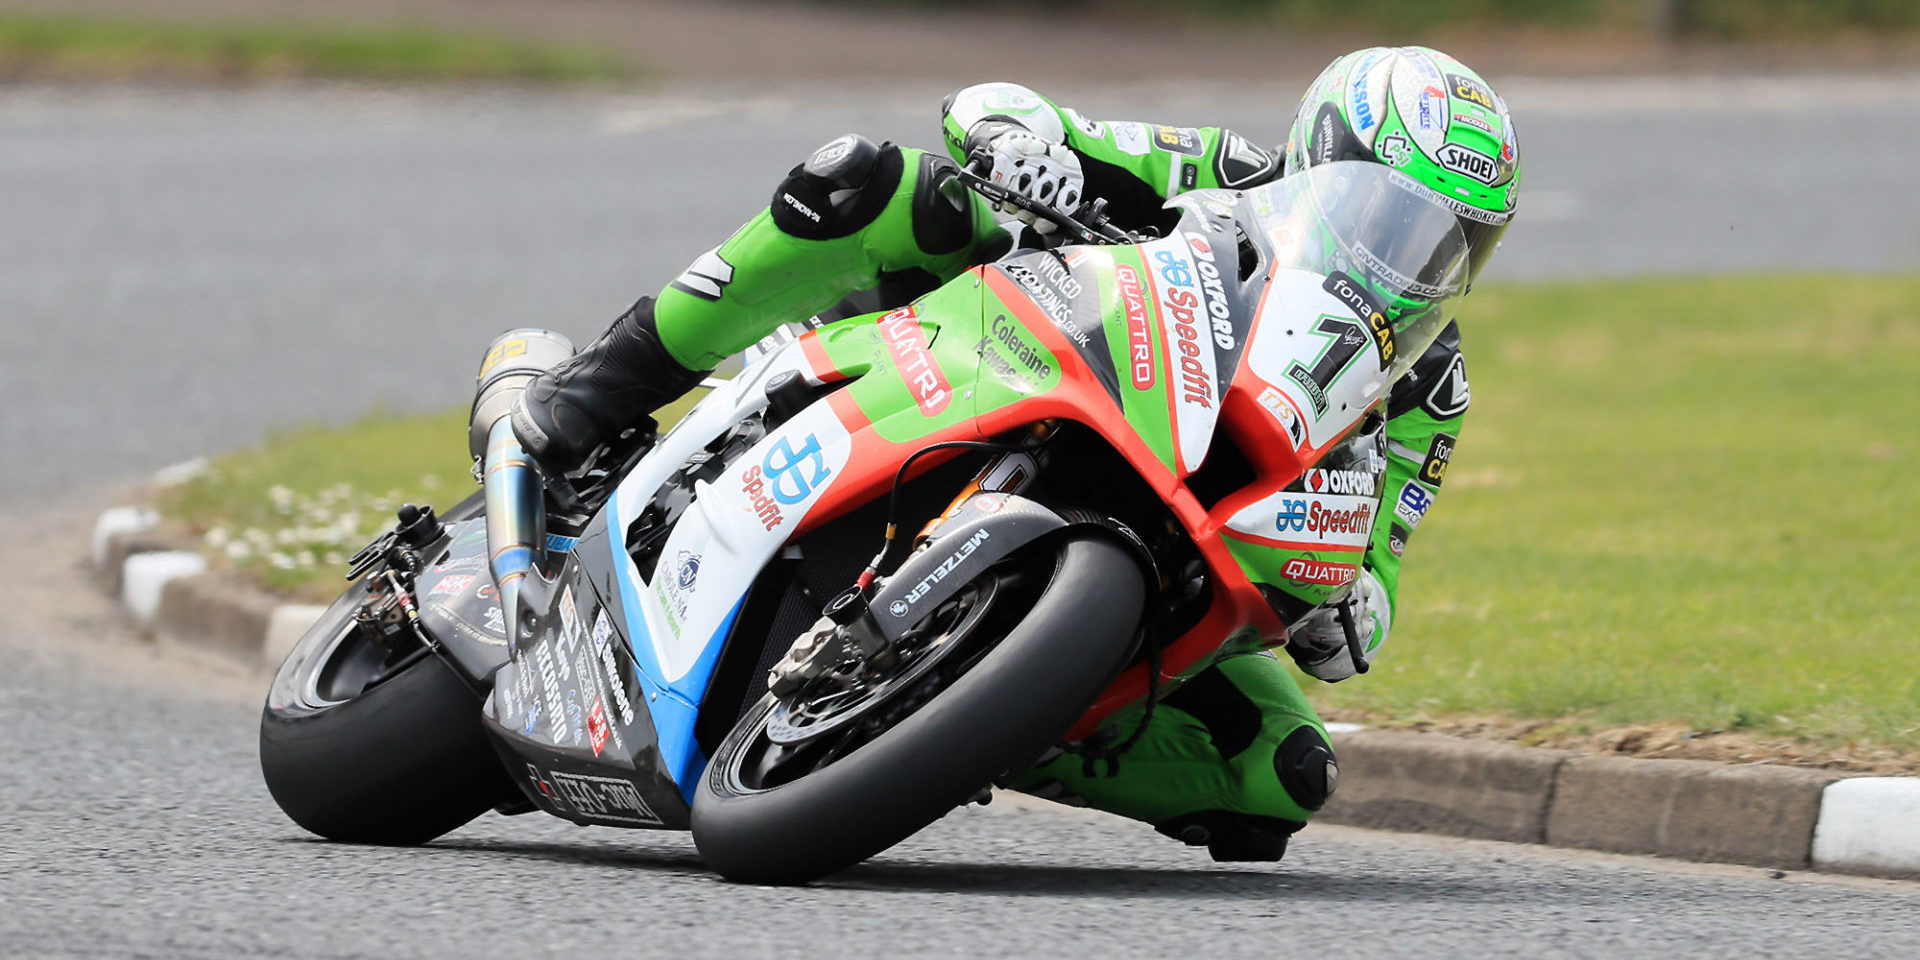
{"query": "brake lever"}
(1343, 612)
(999, 194)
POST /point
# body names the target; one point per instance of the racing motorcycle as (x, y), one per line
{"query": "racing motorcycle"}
(1121, 457)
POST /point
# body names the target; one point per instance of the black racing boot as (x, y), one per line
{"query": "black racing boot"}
(569, 411)
(1233, 837)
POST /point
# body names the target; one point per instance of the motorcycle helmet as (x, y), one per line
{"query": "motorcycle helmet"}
(1426, 115)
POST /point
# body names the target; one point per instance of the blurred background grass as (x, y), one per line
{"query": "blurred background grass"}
(61, 46)
(520, 41)
(1674, 19)
(1675, 500)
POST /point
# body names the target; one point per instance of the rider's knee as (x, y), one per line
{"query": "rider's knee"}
(847, 185)
(841, 189)
(1305, 767)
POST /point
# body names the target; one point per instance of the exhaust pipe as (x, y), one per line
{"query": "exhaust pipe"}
(515, 495)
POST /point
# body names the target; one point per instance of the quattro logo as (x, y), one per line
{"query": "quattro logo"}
(1319, 572)
(908, 344)
(1139, 338)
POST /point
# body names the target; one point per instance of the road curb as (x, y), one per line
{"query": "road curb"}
(160, 579)
(1785, 818)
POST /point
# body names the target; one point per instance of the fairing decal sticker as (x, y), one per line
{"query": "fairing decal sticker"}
(678, 621)
(1309, 348)
(1192, 383)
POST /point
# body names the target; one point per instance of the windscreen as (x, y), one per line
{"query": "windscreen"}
(1377, 225)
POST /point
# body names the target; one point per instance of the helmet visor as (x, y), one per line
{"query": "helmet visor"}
(1375, 224)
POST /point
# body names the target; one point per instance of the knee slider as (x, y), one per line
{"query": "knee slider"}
(839, 190)
(1306, 768)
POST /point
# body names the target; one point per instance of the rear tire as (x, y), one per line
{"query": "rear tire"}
(998, 715)
(400, 762)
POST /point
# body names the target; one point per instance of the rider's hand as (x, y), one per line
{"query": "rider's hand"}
(1319, 645)
(1047, 172)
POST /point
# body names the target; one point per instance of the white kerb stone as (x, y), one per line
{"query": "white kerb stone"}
(119, 520)
(146, 574)
(1869, 824)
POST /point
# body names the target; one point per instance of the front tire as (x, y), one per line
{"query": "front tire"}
(1005, 709)
(359, 749)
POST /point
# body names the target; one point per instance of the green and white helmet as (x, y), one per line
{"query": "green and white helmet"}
(1427, 115)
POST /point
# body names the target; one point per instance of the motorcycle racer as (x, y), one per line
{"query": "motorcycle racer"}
(1235, 759)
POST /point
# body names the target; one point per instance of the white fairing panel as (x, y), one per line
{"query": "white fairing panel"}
(734, 525)
(1289, 341)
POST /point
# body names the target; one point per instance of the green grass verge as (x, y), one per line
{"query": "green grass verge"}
(1674, 500)
(81, 47)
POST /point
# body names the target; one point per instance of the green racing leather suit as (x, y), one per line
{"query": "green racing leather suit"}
(1235, 759)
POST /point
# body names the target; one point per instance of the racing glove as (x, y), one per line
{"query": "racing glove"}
(1319, 644)
(1026, 163)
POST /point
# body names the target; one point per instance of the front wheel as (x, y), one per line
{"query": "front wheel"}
(797, 791)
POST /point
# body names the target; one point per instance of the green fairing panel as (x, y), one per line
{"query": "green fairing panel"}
(1131, 322)
(914, 369)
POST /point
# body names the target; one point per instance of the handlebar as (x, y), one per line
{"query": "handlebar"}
(1091, 225)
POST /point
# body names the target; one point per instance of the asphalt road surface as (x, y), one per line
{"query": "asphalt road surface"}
(182, 271)
(137, 826)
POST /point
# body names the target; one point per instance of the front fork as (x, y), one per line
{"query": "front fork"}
(1010, 472)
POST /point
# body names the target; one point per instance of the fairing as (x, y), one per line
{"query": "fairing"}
(1257, 337)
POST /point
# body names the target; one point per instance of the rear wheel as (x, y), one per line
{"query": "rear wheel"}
(367, 743)
(821, 780)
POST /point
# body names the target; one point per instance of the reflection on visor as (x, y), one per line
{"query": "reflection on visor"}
(1380, 268)
(1482, 228)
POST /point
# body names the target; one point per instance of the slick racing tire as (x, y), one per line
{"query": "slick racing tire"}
(1053, 646)
(359, 749)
